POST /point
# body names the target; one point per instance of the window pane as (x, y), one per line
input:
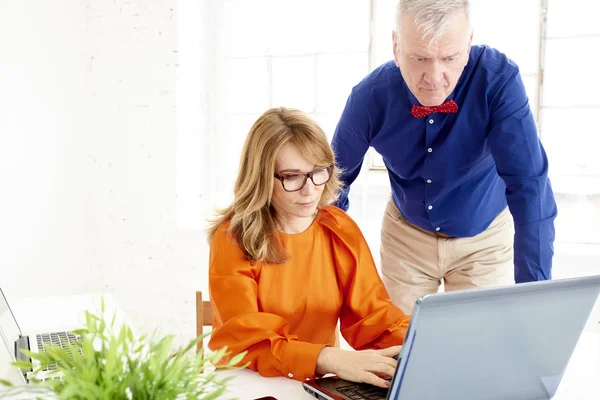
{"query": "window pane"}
(336, 75)
(293, 27)
(245, 28)
(294, 82)
(328, 122)
(565, 86)
(516, 34)
(247, 84)
(376, 159)
(343, 26)
(531, 86)
(232, 135)
(570, 140)
(578, 214)
(572, 17)
(385, 14)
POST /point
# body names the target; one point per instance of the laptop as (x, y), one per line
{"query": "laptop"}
(15, 341)
(511, 342)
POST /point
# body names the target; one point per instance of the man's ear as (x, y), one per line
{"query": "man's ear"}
(395, 48)
(470, 42)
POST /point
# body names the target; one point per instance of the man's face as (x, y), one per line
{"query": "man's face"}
(431, 69)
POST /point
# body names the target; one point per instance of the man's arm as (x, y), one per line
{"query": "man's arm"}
(522, 163)
(350, 143)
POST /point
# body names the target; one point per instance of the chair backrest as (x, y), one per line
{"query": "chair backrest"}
(204, 316)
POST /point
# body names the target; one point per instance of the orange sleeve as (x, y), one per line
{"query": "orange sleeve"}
(368, 318)
(238, 323)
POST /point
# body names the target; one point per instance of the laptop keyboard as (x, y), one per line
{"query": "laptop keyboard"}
(44, 379)
(60, 339)
(363, 391)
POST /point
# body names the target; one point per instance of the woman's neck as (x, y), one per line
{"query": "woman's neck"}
(293, 224)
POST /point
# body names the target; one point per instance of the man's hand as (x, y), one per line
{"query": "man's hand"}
(359, 366)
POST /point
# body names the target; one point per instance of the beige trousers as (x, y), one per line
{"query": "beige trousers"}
(414, 261)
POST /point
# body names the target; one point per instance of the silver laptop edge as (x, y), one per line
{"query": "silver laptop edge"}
(18, 342)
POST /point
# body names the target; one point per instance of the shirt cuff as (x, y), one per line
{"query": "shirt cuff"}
(300, 360)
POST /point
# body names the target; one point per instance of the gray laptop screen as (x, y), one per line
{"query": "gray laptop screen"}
(495, 344)
(9, 328)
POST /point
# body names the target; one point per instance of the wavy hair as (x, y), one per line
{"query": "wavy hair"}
(250, 216)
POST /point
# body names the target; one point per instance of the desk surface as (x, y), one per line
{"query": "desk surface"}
(580, 382)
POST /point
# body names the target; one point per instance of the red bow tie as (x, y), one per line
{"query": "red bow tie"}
(449, 106)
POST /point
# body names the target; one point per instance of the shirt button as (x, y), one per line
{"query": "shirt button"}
(437, 229)
(428, 180)
(291, 375)
(431, 121)
(430, 149)
(430, 207)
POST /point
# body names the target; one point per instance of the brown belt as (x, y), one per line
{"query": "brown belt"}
(443, 235)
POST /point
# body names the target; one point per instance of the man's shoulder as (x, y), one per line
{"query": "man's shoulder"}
(383, 79)
(491, 61)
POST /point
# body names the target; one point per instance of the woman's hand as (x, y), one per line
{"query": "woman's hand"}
(359, 366)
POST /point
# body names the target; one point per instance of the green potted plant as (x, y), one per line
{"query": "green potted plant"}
(114, 364)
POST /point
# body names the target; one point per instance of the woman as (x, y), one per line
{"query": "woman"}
(285, 265)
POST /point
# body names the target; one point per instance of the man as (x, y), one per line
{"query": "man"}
(454, 127)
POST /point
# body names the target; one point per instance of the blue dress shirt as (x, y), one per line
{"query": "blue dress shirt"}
(454, 173)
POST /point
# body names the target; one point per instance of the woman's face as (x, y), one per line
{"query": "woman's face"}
(302, 203)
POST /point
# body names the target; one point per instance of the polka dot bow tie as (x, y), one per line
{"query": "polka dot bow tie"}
(449, 106)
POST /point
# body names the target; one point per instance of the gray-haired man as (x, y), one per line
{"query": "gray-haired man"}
(453, 124)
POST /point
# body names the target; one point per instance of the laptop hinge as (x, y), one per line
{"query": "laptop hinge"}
(22, 343)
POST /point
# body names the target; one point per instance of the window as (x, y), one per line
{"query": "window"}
(291, 53)
(310, 53)
(569, 107)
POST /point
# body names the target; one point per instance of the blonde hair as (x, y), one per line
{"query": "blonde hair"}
(252, 225)
(432, 17)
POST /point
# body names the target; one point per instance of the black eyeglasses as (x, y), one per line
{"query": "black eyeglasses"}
(295, 182)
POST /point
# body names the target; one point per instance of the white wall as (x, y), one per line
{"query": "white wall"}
(150, 264)
(97, 181)
(44, 213)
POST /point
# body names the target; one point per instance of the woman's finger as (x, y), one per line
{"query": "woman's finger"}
(388, 361)
(390, 351)
(374, 380)
(382, 369)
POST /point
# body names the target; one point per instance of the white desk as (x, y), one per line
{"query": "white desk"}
(580, 382)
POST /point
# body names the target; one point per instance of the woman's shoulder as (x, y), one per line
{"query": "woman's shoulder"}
(225, 253)
(221, 229)
(223, 237)
(338, 221)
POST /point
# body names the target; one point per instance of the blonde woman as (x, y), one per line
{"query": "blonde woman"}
(285, 265)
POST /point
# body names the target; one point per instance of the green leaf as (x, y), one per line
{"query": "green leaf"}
(5, 383)
(235, 360)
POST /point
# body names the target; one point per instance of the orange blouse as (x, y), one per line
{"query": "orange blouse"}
(284, 314)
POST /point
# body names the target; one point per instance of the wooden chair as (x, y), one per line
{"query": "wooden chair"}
(204, 316)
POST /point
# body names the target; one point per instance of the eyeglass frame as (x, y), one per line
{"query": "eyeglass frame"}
(306, 176)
